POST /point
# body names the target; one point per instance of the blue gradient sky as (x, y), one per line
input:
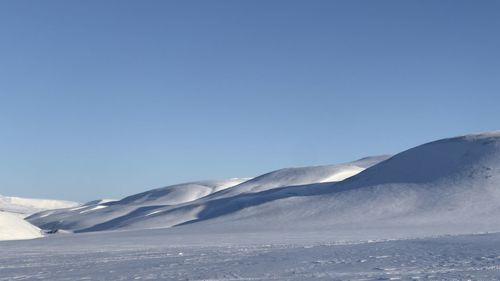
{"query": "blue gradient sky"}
(109, 98)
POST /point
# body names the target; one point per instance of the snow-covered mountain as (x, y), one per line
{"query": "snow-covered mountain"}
(447, 186)
(301, 176)
(99, 211)
(141, 210)
(443, 187)
(14, 209)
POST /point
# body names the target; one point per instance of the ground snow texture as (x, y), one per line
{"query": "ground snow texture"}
(471, 257)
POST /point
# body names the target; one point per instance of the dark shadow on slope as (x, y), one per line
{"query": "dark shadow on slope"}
(225, 206)
(119, 221)
(253, 183)
(218, 207)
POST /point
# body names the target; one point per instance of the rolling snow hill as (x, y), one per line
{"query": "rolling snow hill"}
(100, 211)
(14, 209)
(443, 187)
(301, 176)
(28, 206)
(141, 210)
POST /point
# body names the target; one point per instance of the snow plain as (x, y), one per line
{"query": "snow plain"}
(153, 255)
(417, 215)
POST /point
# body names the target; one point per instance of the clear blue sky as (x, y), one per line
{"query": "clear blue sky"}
(109, 98)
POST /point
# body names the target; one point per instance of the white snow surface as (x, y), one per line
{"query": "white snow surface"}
(13, 226)
(27, 206)
(102, 211)
(159, 255)
(142, 210)
(13, 210)
(302, 176)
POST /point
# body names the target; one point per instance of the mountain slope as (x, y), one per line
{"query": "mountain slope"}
(27, 206)
(99, 211)
(138, 210)
(14, 227)
(447, 186)
(301, 176)
(14, 209)
(180, 193)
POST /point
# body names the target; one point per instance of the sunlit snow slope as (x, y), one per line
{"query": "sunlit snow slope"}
(13, 226)
(27, 206)
(301, 176)
(14, 209)
(97, 212)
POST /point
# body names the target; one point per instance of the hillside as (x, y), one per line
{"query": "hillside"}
(141, 210)
(27, 206)
(14, 227)
(442, 187)
(100, 211)
(301, 176)
(13, 210)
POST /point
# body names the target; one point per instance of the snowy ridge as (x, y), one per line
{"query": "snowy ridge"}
(142, 210)
(443, 187)
(99, 211)
(14, 209)
(27, 206)
(180, 193)
(301, 176)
